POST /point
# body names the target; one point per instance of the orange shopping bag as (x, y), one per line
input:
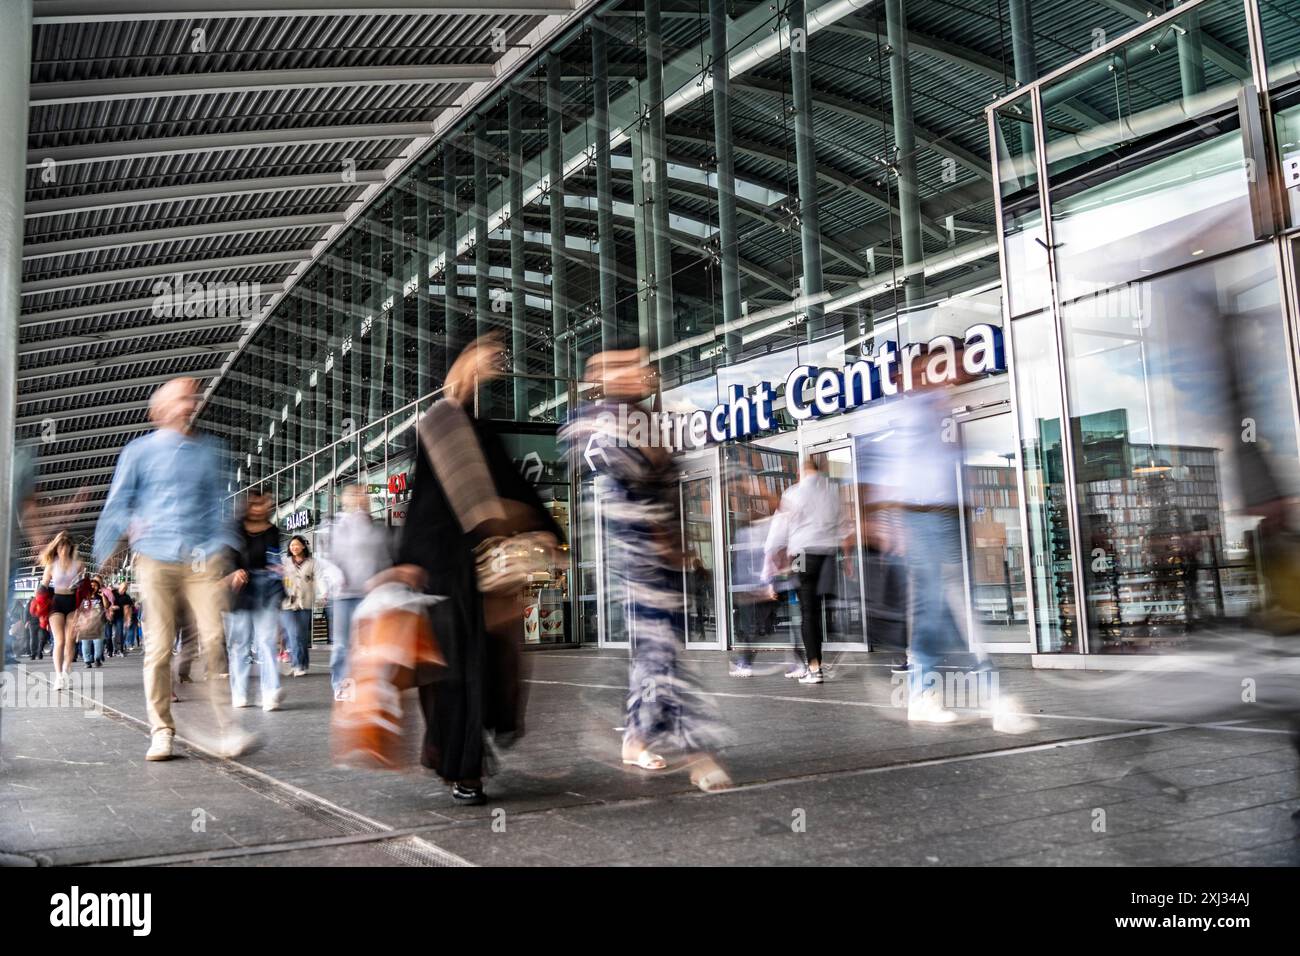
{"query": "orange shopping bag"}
(392, 639)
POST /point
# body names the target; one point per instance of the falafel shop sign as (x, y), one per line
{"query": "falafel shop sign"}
(810, 392)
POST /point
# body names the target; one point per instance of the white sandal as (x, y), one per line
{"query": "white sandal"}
(648, 761)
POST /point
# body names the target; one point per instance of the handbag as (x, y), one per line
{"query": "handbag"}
(507, 564)
(85, 620)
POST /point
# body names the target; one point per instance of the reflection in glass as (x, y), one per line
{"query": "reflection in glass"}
(990, 500)
(1194, 404)
(1038, 394)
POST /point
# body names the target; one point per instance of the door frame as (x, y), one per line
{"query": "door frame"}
(961, 417)
(697, 468)
(815, 447)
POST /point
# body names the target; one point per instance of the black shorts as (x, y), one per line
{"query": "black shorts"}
(63, 604)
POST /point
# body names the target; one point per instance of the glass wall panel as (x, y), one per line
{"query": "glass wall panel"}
(754, 476)
(1157, 178)
(1188, 437)
(1281, 25)
(995, 566)
(1051, 573)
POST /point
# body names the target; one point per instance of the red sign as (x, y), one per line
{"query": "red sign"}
(397, 483)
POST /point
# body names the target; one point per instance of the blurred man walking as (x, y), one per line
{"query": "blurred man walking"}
(166, 495)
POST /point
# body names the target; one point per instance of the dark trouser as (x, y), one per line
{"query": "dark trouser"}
(756, 619)
(35, 642)
(113, 636)
(810, 606)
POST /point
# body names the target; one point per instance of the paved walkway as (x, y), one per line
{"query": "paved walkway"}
(1120, 769)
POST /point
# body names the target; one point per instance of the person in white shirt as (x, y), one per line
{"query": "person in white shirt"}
(356, 548)
(814, 528)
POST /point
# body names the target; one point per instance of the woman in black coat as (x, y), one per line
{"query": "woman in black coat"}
(466, 489)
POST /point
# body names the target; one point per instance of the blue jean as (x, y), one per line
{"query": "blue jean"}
(341, 612)
(113, 632)
(297, 629)
(931, 538)
(92, 649)
(246, 629)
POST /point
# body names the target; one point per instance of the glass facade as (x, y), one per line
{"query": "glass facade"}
(1151, 311)
(743, 189)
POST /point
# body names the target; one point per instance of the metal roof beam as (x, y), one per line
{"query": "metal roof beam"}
(92, 202)
(60, 437)
(1215, 50)
(825, 173)
(143, 237)
(122, 307)
(103, 11)
(858, 110)
(216, 142)
(136, 332)
(190, 351)
(90, 411)
(87, 280)
(96, 388)
(80, 473)
(66, 92)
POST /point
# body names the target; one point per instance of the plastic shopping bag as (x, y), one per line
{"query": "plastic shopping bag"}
(392, 645)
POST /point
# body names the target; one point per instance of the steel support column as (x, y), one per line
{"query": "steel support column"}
(606, 256)
(640, 231)
(518, 303)
(1191, 55)
(355, 343)
(1024, 59)
(909, 200)
(397, 290)
(559, 266)
(454, 327)
(482, 259)
(656, 155)
(377, 339)
(805, 151)
(728, 252)
(423, 330)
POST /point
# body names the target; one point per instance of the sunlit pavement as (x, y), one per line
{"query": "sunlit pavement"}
(1119, 769)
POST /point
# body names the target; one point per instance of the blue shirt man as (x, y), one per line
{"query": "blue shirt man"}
(166, 498)
(166, 495)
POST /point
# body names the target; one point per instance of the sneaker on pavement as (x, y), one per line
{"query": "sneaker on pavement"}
(272, 701)
(925, 710)
(160, 746)
(239, 702)
(796, 672)
(232, 743)
(740, 669)
(813, 677)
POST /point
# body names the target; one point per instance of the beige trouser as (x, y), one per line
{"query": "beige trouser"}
(163, 585)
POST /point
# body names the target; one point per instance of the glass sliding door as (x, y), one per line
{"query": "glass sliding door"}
(700, 573)
(992, 538)
(843, 605)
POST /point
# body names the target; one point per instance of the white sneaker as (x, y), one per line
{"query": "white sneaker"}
(239, 702)
(160, 746)
(272, 701)
(797, 672)
(298, 672)
(741, 670)
(928, 711)
(813, 677)
(233, 743)
(1007, 721)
